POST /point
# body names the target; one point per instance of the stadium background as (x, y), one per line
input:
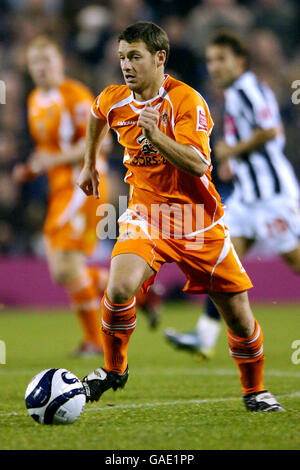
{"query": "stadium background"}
(87, 31)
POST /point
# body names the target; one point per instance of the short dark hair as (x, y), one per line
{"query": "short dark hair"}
(155, 38)
(230, 39)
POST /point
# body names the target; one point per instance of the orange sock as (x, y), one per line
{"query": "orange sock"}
(85, 299)
(118, 324)
(248, 355)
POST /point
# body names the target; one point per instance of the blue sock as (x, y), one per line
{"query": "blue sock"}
(211, 310)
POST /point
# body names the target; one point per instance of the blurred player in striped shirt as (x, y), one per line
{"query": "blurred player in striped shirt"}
(264, 205)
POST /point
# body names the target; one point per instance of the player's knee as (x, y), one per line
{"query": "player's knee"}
(62, 275)
(236, 312)
(242, 327)
(65, 266)
(121, 292)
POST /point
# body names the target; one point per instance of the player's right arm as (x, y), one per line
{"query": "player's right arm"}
(89, 177)
(258, 138)
(264, 117)
(96, 132)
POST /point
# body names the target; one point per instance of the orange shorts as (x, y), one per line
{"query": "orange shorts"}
(209, 262)
(71, 220)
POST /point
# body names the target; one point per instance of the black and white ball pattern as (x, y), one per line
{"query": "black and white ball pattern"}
(55, 396)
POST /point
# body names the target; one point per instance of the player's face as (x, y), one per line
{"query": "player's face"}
(45, 66)
(138, 65)
(223, 65)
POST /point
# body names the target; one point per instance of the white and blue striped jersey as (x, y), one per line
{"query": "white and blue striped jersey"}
(265, 172)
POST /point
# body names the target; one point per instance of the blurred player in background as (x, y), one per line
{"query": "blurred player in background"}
(58, 110)
(165, 126)
(264, 205)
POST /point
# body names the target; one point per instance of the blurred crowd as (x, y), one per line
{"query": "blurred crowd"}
(87, 31)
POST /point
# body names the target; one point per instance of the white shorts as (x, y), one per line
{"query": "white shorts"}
(276, 222)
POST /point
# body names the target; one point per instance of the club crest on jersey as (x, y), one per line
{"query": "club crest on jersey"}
(201, 119)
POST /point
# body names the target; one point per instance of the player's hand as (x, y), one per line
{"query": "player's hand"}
(88, 181)
(22, 173)
(40, 161)
(222, 151)
(224, 171)
(148, 120)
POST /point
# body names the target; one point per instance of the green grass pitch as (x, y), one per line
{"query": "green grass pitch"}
(171, 400)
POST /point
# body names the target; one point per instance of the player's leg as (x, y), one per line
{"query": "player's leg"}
(215, 269)
(69, 270)
(70, 235)
(280, 229)
(203, 338)
(149, 303)
(208, 326)
(135, 261)
(128, 273)
(246, 348)
(100, 277)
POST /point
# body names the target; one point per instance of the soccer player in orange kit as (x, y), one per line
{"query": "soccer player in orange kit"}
(164, 126)
(58, 110)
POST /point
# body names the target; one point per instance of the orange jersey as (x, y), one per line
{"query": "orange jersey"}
(184, 117)
(57, 120)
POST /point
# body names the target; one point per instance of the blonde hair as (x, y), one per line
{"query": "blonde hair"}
(43, 41)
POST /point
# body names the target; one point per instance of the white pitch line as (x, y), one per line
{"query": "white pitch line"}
(204, 371)
(158, 404)
(180, 402)
(169, 371)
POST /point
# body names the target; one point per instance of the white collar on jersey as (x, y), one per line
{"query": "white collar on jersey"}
(161, 94)
(46, 97)
(248, 75)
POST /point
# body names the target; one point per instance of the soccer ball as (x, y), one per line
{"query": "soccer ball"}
(55, 396)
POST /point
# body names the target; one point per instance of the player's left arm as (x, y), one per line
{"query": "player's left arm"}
(42, 161)
(180, 155)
